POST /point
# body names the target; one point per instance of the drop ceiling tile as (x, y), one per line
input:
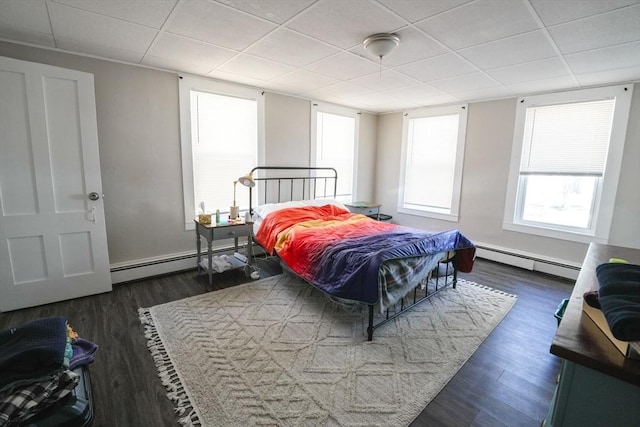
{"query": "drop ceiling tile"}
(544, 85)
(485, 94)
(414, 46)
(24, 17)
(345, 23)
(386, 80)
(608, 29)
(236, 78)
(151, 13)
(344, 66)
(374, 99)
(254, 67)
(291, 48)
(172, 50)
(402, 105)
(439, 67)
(414, 92)
(530, 71)
(464, 83)
(304, 80)
(23, 36)
(90, 29)
(101, 51)
(479, 22)
(608, 77)
(176, 64)
(280, 87)
(555, 12)
(513, 50)
(27, 22)
(336, 92)
(615, 57)
(217, 24)
(439, 100)
(414, 11)
(277, 11)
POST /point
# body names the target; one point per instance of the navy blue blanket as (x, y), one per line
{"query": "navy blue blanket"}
(343, 267)
(619, 296)
(32, 350)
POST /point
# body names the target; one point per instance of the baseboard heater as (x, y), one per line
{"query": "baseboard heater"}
(528, 261)
(150, 267)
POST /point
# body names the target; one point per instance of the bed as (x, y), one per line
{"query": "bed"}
(350, 257)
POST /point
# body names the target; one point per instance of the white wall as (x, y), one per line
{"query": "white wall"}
(486, 167)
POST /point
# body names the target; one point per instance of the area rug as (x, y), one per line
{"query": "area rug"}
(277, 352)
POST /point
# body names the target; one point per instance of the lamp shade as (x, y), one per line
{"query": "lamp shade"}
(381, 44)
(247, 180)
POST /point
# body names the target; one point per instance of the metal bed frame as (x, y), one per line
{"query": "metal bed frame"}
(306, 186)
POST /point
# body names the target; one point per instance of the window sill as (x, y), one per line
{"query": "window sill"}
(429, 214)
(555, 234)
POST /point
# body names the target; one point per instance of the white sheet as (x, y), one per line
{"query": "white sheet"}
(261, 212)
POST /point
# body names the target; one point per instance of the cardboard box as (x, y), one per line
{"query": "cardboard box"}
(628, 349)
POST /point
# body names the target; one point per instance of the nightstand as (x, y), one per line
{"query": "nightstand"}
(213, 232)
(365, 208)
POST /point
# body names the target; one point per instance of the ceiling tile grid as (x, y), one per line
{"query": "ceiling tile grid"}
(450, 50)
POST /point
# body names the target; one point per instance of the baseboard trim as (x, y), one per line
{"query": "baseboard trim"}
(149, 267)
(529, 261)
(157, 266)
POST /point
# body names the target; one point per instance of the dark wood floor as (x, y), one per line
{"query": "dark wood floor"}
(508, 381)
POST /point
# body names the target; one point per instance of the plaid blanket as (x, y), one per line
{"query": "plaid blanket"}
(27, 401)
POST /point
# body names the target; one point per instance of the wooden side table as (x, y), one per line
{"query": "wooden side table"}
(213, 232)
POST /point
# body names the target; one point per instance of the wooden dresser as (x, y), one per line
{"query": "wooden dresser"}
(597, 386)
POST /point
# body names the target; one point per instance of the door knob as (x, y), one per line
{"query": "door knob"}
(94, 196)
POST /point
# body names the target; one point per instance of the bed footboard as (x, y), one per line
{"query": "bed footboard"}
(416, 300)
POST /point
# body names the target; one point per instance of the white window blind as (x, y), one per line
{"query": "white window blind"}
(224, 146)
(566, 163)
(430, 163)
(567, 139)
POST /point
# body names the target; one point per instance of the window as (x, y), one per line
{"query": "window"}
(221, 134)
(566, 162)
(432, 156)
(334, 143)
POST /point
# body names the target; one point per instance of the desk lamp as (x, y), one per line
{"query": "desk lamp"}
(246, 180)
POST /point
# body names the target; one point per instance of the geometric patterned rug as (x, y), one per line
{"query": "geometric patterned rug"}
(277, 352)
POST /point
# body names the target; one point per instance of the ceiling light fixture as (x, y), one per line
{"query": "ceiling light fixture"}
(381, 45)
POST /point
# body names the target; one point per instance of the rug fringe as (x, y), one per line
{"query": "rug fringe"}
(467, 282)
(167, 372)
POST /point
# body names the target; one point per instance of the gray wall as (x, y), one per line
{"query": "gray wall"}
(139, 140)
(139, 143)
(486, 167)
(367, 157)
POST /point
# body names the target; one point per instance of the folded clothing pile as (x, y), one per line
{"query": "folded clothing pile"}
(619, 298)
(36, 363)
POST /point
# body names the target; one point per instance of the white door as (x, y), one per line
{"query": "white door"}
(53, 243)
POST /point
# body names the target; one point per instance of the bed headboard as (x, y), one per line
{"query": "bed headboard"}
(276, 184)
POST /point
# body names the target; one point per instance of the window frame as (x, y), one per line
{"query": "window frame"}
(186, 84)
(606, 188)
(454, 211)
(320, 107)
